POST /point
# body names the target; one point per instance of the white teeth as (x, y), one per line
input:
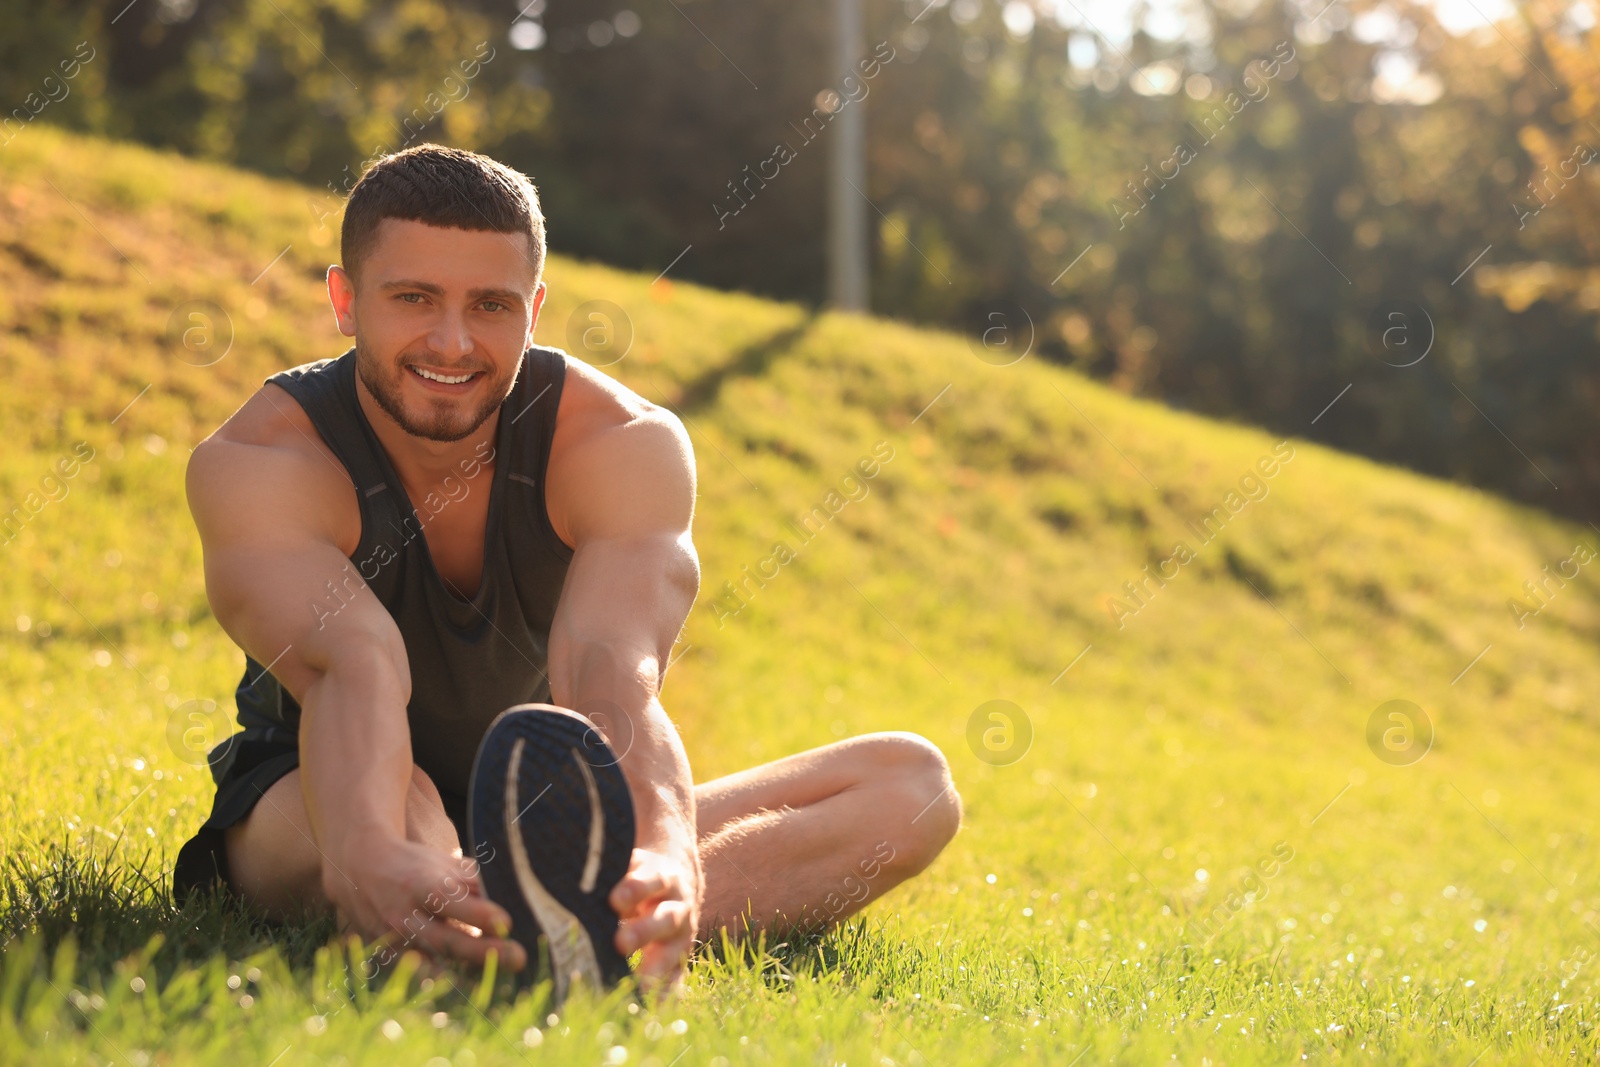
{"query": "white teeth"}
(428, 374)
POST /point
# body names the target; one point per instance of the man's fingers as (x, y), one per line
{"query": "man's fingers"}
(662, 962)
(636, 888)
(481, 912)
(442, 939)
(637, 933)
(669, 920)
(469, 873)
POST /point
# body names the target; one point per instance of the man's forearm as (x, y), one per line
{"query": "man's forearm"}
(623, 703)
(355, 751)
(660, 780)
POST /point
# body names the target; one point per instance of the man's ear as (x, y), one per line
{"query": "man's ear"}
(533, 320)
(342, 295)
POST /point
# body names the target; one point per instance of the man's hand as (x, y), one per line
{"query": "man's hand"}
(401, 895)
(659, 902)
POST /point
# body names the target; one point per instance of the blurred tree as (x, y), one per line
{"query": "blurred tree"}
(303, 88)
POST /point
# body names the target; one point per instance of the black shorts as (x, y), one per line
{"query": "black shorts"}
(245, 766)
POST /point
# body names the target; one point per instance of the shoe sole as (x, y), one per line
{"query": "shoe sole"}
(552, 828)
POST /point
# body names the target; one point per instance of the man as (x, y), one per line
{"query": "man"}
(548, 570)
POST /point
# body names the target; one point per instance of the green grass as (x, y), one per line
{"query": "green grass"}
(1426, 913)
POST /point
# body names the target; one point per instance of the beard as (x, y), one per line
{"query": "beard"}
(440, 419)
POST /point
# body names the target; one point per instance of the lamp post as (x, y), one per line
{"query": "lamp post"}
(847, 184)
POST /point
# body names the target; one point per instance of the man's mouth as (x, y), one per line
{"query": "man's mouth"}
(441, 377)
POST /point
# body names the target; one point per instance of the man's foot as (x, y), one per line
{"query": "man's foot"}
(552, 830)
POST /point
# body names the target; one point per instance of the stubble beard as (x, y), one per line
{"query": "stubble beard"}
(443, 420)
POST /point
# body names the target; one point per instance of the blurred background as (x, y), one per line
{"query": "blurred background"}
(1218, 204)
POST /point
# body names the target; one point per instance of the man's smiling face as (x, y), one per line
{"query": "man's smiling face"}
(441, 318)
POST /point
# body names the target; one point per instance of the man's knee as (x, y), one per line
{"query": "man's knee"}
(271, 860)
(426, 819)
(927, 808)
(423, 786)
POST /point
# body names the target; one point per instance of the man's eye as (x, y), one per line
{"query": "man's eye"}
(407, 297)
(493, 305)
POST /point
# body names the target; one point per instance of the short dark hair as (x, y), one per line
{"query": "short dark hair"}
(440, 186)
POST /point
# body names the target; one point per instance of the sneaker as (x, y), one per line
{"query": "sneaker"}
(552, 829)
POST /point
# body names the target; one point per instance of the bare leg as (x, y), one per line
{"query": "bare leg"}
(800, 842)
(273, 859)
(809, 839)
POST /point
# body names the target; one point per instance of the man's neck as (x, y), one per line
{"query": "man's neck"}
(424, 464)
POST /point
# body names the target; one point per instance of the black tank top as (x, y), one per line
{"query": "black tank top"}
(469, 660)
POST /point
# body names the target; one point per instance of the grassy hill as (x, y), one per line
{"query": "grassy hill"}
(1197, 856)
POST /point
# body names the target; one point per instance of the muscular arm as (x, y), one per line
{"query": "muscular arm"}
(265, 513)
(625, 497)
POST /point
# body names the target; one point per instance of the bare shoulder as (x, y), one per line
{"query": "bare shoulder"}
(593, 403)
(616, 457)
(267, 461)
(601, 415)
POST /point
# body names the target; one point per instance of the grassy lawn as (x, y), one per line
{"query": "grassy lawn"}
(1187, 839)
